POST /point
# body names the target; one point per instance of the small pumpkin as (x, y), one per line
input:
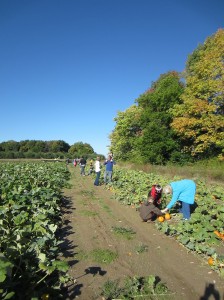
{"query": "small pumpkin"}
(211, 261)
(167, 216)
(160, 218)
(219, 234)
(216, 232)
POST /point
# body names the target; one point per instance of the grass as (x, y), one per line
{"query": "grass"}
(100, 256)
(81, 255)
(208, 171)
(141, 248)
(104, 206)
(89, 194)
(103, 256)
(88, 213)
(127, 233)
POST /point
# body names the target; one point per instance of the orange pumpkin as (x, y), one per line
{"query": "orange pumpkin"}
(160, 218)
(219, 234)
(167, 216)
(210, 261)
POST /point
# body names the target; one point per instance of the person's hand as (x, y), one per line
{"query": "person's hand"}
(164, 210)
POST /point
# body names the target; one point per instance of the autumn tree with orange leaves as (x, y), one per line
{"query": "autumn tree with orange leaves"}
(199, 119)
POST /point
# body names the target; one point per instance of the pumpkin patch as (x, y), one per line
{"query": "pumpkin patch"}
(202, 234)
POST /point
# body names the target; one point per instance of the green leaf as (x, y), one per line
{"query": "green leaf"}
(183, 239)
(61, 265)
(2, 276)
(42, 257)
(151, 280)
(9, 296)
(52, 227)
(191, 246)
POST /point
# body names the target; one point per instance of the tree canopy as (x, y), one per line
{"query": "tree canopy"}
(199, 120)
(80, 149)
(44, 149)
(142, 132)
(124, 138)
(181, 116)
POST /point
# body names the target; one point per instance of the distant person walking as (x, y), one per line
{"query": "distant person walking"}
(109, 163)
(82, 164)
(97, 171)
(75, 162)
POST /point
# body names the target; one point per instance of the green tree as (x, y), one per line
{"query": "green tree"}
(124, 137)
(8, 146)
(80, 149)
(158, 144)
(58, 146)
(40, 146)
(199, 119)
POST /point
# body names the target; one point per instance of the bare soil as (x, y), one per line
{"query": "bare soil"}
(91, 213)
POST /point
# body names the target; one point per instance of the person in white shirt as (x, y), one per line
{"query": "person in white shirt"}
(97, 171)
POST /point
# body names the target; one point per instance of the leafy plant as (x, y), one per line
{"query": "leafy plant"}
(136, 287)
(30, 216)
(127, 233)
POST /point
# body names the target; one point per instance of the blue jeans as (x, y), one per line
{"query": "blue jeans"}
(185, 210)
(82, 171)
(96, 182)
(107, 174)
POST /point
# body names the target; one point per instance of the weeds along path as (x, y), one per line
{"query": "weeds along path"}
(92, 219)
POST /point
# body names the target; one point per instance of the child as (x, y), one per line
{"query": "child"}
(156, 194)
(148, 211)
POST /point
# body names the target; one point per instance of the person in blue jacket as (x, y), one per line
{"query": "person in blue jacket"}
(109, 163)
(183, 191)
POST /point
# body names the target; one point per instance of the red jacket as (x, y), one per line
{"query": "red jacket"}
(155, 194)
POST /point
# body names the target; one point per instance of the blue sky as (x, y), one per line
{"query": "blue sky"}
(68, 66)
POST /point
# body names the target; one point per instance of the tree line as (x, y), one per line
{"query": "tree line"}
(180, 118)
(45, 149)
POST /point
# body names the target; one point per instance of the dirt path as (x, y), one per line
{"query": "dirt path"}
(92, 213)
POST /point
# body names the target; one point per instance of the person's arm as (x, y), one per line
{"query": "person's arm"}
(174, 199)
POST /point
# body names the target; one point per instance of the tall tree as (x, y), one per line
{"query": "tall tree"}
(158, 143)
(199, 119)
(80, 149)
(125, 135)
(10, 146)
(58, 146)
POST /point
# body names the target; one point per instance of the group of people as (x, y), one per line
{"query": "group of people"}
(82, 163)
(182, 192)
(109, 163)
